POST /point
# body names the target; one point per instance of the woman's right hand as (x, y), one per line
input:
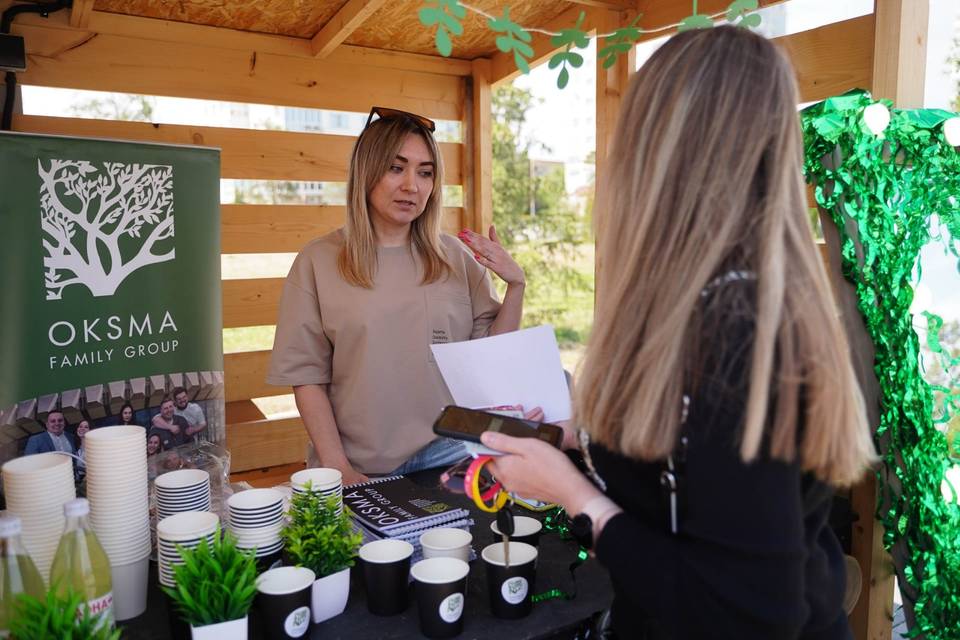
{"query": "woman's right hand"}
(352, 476)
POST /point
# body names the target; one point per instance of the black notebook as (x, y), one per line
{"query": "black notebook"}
(395, 505)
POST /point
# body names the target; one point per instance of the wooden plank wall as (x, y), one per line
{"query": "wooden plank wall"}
(155, 57)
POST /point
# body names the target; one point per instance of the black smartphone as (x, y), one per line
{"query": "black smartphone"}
(467, 424)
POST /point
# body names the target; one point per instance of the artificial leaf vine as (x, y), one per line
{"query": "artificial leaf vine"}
(516, 39)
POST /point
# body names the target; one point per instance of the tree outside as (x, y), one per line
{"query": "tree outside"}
(544, 230)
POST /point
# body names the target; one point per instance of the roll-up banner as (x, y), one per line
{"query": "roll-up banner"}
(110, 290)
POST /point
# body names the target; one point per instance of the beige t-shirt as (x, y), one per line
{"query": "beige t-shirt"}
(372, 346)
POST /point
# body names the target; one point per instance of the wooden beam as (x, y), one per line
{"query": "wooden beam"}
(251, 303)
(245, 376)
(616, 5)
(502, 67)
(341, 25)
(899, 65)
(117, 24)
(900, 51)
(831, 59)
(81, 60)
(256, 443)
(80, 13)
(257, 154)
(480, 212)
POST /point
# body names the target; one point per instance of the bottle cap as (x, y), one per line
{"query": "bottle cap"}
(9, 526)
(76, 507)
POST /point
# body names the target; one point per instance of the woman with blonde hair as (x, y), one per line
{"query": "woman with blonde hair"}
(362, 305)
(717, 399)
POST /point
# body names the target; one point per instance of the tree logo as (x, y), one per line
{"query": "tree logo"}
(103, 221)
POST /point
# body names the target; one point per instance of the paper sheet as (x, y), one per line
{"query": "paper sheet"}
(520, 367)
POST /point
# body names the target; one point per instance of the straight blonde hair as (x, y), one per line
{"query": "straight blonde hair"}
(704, 176)
(373, 153)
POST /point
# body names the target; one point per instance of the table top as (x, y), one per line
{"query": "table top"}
(549, 618)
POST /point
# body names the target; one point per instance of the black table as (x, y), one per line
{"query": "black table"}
(554, 618)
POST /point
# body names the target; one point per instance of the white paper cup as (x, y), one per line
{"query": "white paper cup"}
(321, 478)
(186, 525)
(254, 500)
(130, 588)
(446, 543)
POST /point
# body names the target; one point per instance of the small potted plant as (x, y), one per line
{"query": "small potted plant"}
(322, 540)
(58, 616)
(215, 588)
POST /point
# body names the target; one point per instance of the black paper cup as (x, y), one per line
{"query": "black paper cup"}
(525, 529)
(386, 569)
(510, 588)
(441, 590)
(283, 601)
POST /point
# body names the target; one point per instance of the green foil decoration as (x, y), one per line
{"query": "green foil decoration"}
(885, 192)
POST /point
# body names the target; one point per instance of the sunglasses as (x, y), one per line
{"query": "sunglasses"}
(386, 112)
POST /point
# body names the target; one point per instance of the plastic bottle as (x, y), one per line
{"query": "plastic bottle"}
(81, 564)
(18, 574)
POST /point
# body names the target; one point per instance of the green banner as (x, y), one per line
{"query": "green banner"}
(110, 276)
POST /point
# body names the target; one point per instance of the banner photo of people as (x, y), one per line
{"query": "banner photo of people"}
(111, 308)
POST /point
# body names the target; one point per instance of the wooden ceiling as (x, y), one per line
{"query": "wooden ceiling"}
(380, 24)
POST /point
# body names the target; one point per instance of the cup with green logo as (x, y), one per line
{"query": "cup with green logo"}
(441, 590)
(283, 602)
(510, 586)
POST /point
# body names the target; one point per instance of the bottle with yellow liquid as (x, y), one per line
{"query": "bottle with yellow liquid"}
(18, 574)
(82, 565)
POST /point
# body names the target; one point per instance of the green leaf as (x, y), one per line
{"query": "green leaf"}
(514, 38)
(751, 21)
(444, 46)
(563, 78)
(575, 36)
(740, 7)
(695, 22)
(446, 14)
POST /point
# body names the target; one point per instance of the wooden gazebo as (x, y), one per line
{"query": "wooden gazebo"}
(350, 54)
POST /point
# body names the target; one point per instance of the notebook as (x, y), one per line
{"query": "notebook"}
(395, 506)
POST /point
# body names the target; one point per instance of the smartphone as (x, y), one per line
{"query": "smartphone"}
(467, 424)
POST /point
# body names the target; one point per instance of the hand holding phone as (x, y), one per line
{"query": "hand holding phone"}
(468, 424)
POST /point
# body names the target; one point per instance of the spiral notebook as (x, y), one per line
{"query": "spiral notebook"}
(396, 506)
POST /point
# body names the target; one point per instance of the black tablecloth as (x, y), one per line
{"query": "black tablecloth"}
(554, 618)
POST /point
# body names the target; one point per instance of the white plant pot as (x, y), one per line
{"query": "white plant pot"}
(233, 629)
(329, 595)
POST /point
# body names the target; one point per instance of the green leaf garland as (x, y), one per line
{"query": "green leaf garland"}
(446, 14)
(883, 192)
(515, 38)
(568, 38)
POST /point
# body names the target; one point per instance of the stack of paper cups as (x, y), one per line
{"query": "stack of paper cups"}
(36, 487)
(256, 518)
(185, 530)
(328, 483)
(182, 490)
(117, 488)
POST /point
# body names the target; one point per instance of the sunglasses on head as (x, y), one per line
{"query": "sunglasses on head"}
(386, 112)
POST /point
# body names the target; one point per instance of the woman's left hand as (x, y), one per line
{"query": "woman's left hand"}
(491, 254)
(536, 469)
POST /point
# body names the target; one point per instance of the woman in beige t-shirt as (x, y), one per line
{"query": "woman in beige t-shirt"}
(362, 305)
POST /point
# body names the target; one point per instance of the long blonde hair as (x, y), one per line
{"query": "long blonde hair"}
(704, 175)
(373, 153)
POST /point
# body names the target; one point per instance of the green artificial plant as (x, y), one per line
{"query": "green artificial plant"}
(216, 582)
(318, 537)
(56, 617)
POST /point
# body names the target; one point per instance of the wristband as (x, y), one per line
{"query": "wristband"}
(472, 471)
(473, 489)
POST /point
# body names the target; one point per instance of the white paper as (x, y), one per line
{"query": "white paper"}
(520, 367)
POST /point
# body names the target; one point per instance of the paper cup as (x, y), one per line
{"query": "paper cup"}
(525, 529)
(510, 588)
(283, 600)
(130, 588)
(386, 568)
(441, 590)
(446, 543)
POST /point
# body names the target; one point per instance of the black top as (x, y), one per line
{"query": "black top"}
(755, 557)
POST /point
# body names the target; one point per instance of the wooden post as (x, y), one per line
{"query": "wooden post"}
(478, 150)
(611, 87)
(900, 47)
